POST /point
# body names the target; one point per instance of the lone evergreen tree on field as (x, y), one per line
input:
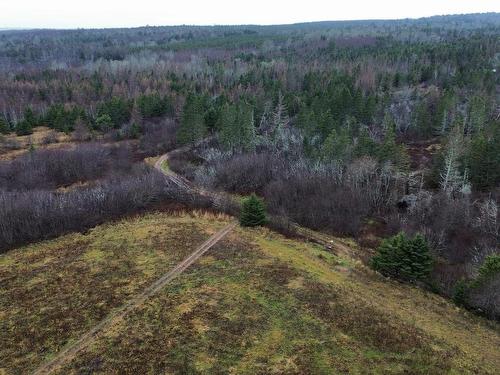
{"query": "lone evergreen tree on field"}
(253, 212)
(404, 258)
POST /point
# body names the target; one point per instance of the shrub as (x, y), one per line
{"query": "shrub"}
(246, 173)
(482, 293)
(53, 168)
(460, 293)
(4, 126)
(34, 215)
(104, 122)
(404, 258)
(158, 138)
(253, 212)
(489, 268)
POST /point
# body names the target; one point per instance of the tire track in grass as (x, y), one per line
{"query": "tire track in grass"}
(71, 350)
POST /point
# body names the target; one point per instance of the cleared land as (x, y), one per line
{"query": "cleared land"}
(257, 303)
(55, 291)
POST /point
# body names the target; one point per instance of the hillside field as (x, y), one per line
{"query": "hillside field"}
(257, 303)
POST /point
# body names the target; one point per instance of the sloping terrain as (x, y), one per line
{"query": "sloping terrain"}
(256, 303)
(55, 291)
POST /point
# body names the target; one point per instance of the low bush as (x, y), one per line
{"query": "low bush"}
(50, 169)
(158, 138)
(482, 293)
(34, 215)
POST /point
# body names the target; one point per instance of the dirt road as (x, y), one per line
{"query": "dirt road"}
(70, 351)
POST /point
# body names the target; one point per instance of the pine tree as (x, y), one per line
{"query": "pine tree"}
(104, 123)
(118, 109)
(253, 212)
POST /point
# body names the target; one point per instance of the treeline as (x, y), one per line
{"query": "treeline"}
(360, 79)
(111, 114)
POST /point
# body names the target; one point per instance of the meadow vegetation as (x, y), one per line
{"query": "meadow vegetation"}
(257, 303)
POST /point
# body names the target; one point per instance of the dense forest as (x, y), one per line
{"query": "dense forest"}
(364, 129)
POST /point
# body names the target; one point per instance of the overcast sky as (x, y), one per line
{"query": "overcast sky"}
(126, 13)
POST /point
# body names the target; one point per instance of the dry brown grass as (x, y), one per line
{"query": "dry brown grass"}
(12, 145)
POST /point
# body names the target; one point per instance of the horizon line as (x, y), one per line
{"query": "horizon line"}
(43, 28)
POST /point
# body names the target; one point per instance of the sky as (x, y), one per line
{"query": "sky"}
(131, 13)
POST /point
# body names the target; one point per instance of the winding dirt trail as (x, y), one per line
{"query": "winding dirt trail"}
(71, 350)
(174, 177)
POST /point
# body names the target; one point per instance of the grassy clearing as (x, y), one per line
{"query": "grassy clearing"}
(13, 145)
(52, 292)
(261, 304)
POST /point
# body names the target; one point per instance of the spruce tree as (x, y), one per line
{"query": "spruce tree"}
(388, 150)
(337, 146)
(30, 118)
(404, 258)
(192, 127)
(253, 212)
(246, 124)
(24, 128)
(477, 114)
(365, 145)
(484, 160)
(420, 258)
(423, 119)
(389, 258)
(227, 127)
(444, 113)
